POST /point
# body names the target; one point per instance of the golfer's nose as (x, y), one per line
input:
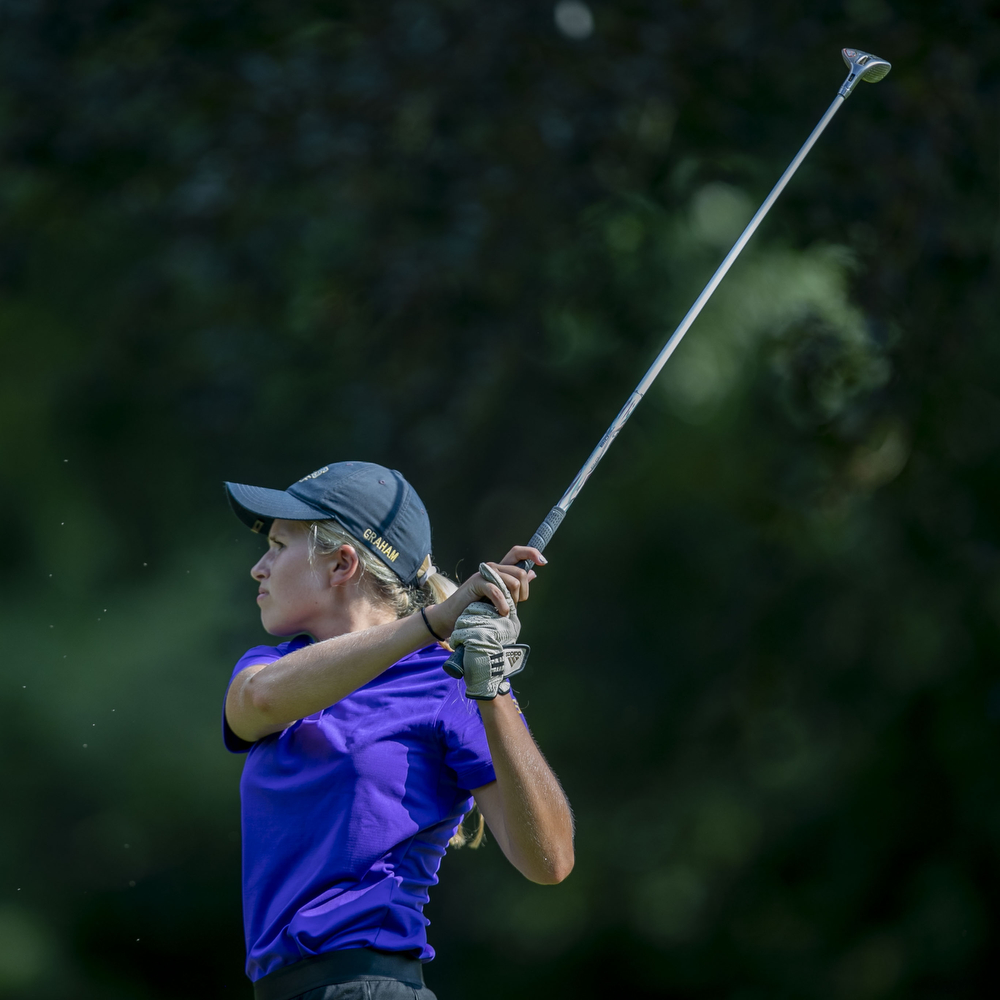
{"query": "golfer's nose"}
(259, 571)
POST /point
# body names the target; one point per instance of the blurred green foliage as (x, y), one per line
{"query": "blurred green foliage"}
(241, 239)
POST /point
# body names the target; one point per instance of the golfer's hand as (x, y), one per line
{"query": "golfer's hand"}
(487, 640)
(515, 582)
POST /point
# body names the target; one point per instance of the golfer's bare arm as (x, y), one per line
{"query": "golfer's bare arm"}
(525, 808)
(269, 697)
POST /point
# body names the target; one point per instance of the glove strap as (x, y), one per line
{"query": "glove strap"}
(516, 660)
(505, 662)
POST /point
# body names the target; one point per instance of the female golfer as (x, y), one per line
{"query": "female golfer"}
(363, 755)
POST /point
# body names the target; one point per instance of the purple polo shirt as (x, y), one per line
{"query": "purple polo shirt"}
(348, 812)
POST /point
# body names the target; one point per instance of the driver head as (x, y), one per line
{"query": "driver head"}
(862, 66)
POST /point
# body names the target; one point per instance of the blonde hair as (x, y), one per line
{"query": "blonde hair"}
(379, 582)
(463, 837)
(383, 586)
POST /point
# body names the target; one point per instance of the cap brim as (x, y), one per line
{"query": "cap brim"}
(257, 507)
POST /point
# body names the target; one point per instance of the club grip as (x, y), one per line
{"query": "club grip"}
(454, 665)
(543, 534)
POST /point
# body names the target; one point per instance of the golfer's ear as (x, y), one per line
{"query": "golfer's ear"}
(344, 566)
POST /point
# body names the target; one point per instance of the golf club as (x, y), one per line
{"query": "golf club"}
(861, 66)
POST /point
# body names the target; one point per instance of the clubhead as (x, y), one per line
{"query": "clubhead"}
(862, 66)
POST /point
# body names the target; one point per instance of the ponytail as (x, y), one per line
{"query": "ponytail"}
(438, 588)
(463, 838)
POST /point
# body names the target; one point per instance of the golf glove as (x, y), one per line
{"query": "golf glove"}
(486, 647)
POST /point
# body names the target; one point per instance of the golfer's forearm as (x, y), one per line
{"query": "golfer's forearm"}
(537, 824)
(268, 699)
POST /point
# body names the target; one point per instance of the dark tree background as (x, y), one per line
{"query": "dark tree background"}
(239, 240)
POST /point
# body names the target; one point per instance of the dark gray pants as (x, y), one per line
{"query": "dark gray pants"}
(369, 988)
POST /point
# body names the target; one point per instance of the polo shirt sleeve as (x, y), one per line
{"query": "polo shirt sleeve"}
(467, 751)
(251, 658)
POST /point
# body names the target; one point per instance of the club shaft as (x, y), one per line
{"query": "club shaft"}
(548, 527)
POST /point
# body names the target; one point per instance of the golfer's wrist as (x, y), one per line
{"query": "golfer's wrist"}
(494, 709)
(439, 621)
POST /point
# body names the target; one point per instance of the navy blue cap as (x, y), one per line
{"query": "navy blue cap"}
(375, 504)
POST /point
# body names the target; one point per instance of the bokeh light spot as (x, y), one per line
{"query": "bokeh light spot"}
(574, 19)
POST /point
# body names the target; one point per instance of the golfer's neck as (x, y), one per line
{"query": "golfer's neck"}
(353, 615)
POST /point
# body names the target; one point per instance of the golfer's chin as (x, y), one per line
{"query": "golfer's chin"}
(277, 625)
